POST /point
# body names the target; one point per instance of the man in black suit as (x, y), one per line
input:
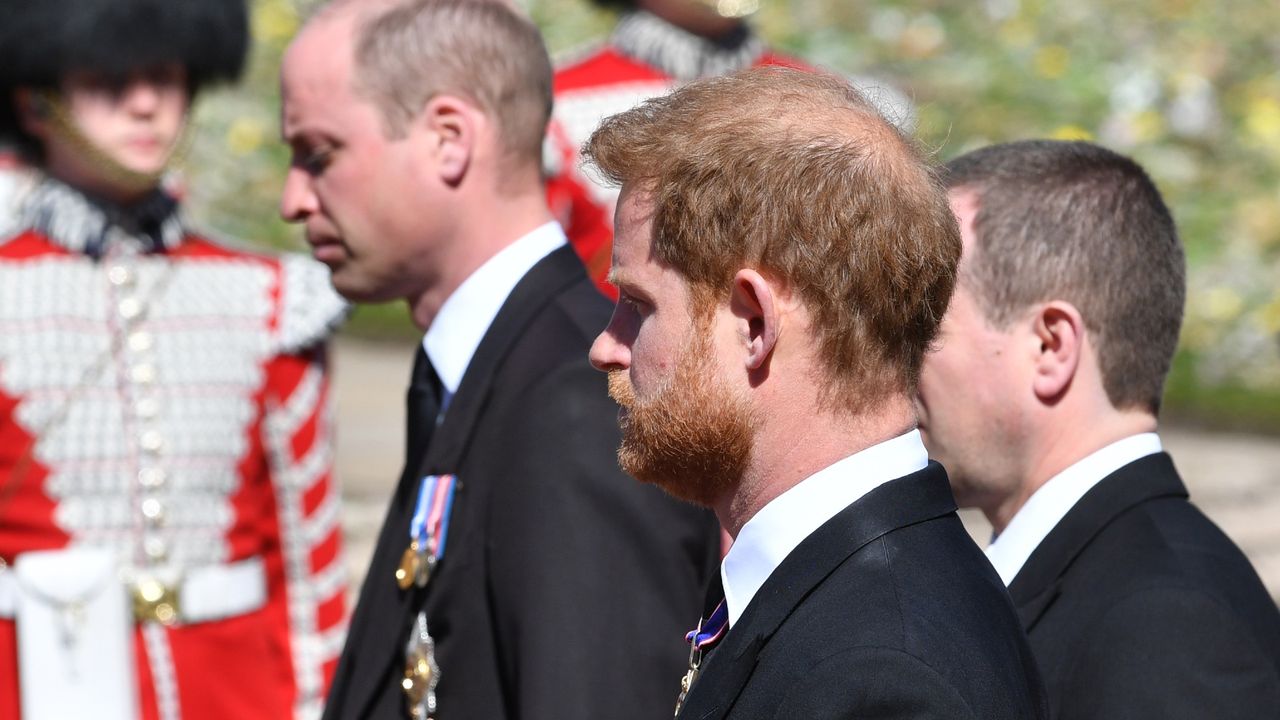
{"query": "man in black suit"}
(519, 574)
(783, 258)
(1041, 402)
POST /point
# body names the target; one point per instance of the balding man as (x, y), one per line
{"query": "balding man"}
(519, 574)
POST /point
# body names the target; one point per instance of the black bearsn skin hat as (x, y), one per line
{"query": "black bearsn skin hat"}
(42, 40)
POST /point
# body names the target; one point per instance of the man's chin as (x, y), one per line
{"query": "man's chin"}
(968, 495)
(699, 488)
(354, 289)
(147, 162)
(684, 491)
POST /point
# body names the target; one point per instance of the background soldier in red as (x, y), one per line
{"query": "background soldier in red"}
(164, 424)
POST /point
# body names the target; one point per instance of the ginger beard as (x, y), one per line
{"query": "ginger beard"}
(692, 437)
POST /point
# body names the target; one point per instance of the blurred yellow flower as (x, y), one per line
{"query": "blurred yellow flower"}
(1051, 61)
(1070, 132)
(245, 135)
(275, 20)
(1148, 125)
(1018, 32)
(1262, 119)
(1269, 316)
(1222, 304)
(1198, 334)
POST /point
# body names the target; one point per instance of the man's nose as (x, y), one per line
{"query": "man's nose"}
(297, 200)
(142, 97)
(607, 353)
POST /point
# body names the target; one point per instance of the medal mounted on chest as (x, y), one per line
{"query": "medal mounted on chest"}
(701, 640)
(428, 533)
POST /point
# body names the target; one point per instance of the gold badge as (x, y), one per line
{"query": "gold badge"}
(409, 569)
(421, 673)
(417, 677)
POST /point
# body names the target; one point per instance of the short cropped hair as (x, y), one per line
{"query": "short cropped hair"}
(1076, 222)
(482, 50)
(797, 175)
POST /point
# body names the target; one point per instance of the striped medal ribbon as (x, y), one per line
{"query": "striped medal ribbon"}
(428, 531)
(707, 633)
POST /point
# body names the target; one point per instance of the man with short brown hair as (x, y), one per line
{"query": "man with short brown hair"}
(783, 257)
(1041, 401)
(519, 575)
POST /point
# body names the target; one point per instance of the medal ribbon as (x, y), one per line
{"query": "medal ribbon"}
(430, 525)
(709, 633)
(700, 638)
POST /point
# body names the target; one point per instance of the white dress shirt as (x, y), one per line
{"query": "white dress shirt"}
(1046, 507)
(768, 537)
(466, 315)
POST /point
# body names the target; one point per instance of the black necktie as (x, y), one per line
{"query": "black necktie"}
(422, 404)
(714, 595)
(711, 602)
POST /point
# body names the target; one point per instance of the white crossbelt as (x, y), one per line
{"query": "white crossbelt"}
(212, 592)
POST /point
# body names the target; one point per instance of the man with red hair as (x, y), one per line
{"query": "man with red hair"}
(784, 257)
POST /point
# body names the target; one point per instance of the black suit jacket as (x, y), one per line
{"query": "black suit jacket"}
(1138, 606)
(886, 611)
(566, 586)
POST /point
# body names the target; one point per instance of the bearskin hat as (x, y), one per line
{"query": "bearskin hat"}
(42, 40)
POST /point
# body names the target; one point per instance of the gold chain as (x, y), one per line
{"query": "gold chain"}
(118, 174)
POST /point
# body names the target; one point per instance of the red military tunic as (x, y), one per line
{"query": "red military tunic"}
(166, 397)
(645, 57)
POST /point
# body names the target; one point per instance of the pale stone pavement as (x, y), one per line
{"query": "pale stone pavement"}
(1235, 479)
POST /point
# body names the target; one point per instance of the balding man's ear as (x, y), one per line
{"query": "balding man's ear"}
(755, 302)
(453, 127)
(1059, 328)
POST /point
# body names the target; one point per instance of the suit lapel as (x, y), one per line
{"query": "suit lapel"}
(385, 611)
(1038, 583)
(540, 285)
(915, 498)
(382, 611)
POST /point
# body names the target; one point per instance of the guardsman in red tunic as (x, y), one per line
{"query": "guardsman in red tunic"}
(169, 537)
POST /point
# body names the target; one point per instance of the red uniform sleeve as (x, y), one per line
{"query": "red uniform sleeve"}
(300, 453)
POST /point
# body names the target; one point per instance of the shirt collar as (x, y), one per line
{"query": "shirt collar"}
(768, 537)
(466, 315)
(681, 54)
(1047, 506)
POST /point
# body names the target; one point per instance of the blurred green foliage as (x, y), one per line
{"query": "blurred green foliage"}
(1191, 89)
